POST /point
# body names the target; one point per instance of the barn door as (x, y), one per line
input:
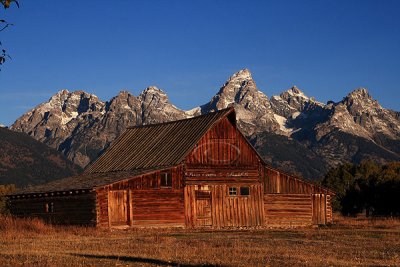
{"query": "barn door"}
(203, 208)
(118, 207)
(319, 209)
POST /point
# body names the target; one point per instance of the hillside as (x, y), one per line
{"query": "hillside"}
(25, 161)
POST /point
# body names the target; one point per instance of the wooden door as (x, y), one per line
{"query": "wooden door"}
(319, 209)
(118, 207)
(203, 208)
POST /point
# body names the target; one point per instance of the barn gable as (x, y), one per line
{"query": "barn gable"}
(223, 145)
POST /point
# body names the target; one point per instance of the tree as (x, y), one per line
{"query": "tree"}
(368, 187)
(4, 25)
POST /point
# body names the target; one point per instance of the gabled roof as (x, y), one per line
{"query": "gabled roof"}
(139, 150)
(156, 145)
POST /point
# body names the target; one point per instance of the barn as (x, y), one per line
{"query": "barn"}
(197, 172)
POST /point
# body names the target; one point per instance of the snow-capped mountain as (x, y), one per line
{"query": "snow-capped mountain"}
(82, 126)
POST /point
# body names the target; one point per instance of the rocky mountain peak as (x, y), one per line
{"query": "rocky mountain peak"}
(62, 92)
(59, 97)
(241, 75)
(153, 96)
(360, 101)
(152, 90)
(360, 115)
(64, 98)
(360, 93)
(240, 88)
(123, 93)
(252, 106)
(290, 102)
(123, 101)
(294, 92)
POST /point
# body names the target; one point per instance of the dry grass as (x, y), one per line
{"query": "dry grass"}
(350, 242)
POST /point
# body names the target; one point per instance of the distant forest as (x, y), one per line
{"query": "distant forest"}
(367, 187)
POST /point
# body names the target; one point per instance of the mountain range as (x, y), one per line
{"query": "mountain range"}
(291, 131)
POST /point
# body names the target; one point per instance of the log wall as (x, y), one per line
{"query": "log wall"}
(288, 210)
(76, 209)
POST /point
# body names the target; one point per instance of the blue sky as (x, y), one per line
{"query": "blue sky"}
(189, 48)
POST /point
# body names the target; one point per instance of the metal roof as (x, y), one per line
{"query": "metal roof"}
(139, 150)
(156, 145)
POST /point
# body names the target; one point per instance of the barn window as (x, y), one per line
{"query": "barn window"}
(49, 207)
(244, 191)
(232, 191)
(166, 179)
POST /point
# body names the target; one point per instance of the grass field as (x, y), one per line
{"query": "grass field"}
(349, 242)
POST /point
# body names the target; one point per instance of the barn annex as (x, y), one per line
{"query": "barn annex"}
(197, 172)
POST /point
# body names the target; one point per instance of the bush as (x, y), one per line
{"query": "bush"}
(4, 190)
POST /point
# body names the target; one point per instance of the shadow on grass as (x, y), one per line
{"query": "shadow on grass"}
(142, 260)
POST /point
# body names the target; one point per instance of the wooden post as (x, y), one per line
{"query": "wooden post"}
(130, 206)
(109, 208)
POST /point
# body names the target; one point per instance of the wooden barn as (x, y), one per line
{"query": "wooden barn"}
(197, 172)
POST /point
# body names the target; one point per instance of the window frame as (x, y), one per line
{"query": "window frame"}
(166, 177)
(248, 191)
(231, 190)
(49, 207)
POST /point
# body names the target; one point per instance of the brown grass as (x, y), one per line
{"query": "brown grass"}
(350, 242)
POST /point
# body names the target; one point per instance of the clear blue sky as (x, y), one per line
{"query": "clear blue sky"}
(189, 48)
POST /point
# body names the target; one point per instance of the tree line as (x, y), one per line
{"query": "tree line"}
(366, 187)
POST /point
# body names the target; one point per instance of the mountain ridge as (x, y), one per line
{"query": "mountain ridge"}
(26, 161)
(81, 126)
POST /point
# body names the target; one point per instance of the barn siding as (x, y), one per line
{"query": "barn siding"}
(77, 209)
(282, 183)
(222, 145)
(291, 201)
(158, 207)
(102, 208)
(225, 210)
(221, 159)
(148, 203)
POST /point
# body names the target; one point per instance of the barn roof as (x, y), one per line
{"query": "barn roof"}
(139, 150)
(156, 145)
(83, 182)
